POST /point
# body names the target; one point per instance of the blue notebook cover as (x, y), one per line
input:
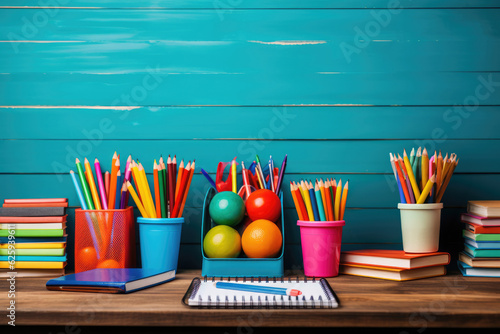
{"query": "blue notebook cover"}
(467, 270)
(483, 244)
(111, 280)
(4, 240)
(33, 258)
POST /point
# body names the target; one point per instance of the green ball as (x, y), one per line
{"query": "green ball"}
(227, 208)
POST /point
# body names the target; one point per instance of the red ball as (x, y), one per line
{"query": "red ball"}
(263, 204)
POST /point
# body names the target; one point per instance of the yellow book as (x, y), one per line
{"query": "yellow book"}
(33, 265)
(36, 245)
(392, 274)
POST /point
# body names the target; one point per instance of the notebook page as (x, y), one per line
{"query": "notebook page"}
(313, 295)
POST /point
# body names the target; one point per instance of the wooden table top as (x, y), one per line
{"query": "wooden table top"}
(446, 301)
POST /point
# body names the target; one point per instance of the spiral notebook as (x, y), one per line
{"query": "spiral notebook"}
(316, 293)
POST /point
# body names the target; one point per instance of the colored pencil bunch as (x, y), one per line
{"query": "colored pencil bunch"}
(110, 191)
(422, 179)
(102, 191)
(170, 190)
(253, 178)
(326, 201)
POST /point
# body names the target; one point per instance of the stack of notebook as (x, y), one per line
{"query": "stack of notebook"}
(33, 237)
(481, 233)
(393, 265)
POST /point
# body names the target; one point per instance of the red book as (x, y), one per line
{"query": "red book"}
(478, 229)
(394, 258)
(35, 205)
(35, 200)
(46, 219)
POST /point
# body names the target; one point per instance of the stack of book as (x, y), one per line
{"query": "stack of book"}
(481, 233)
(33, 237)
(393, 265)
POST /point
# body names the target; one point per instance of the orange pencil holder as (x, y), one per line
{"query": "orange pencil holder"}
(104, 239)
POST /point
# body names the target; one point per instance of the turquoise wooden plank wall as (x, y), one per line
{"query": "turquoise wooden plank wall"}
(336, 85)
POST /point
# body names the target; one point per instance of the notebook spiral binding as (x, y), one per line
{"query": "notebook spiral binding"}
(276, 302)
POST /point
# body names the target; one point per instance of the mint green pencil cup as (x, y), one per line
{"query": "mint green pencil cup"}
(160, 240)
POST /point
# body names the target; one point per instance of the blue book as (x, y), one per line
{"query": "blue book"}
(34, 258)
(467, 270)
(476, 252)
(111, 280)
(483, 244)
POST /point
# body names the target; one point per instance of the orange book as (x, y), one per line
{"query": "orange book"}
(394, 258)
(35, 200)
(47, 219)
(35, 205)
(479, 229)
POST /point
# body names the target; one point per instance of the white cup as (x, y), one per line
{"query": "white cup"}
(420, 224)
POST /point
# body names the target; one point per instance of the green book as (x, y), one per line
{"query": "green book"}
(34, 251)
(475, 252)
(33, 233)
(481, 236)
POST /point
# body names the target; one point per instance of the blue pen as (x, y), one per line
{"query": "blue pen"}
(257, 289)
(209, 179)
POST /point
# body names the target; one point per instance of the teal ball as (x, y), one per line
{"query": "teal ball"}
(227, 208)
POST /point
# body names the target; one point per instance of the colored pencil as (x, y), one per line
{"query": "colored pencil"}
(112, 185)
(137, 201)
(85, 186)
(439, 171)
(271, 175)
(344, 200)
(319, 203)
(150, 207)
(446, 181)
(234, 185)
(337, 200)
(244, 175)
(180, 195)
(119, 184)
(161, 191)
(323, 196)
(398, 181)
(107, 179)
(403, 183)
(307, 200)
(281, 175)
(314, 203)
(409, 171)
(100, 184)
(328, 199)
(165, 185)
(186, 191)
(179, 177)
(123, 200)
(426, 190)
(92, 185)
(425, 168)
(83, 202)
(156, 179)
(300, 206)
(262, 181)
(171, 185)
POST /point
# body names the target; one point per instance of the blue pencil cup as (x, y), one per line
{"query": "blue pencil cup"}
(160, 240)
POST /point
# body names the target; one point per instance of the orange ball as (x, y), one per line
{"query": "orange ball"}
(108, 264)
(262, 239)
(87, 258)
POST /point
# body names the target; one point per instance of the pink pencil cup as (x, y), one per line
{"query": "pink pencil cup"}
(321, 241)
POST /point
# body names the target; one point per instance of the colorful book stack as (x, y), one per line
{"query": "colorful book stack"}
(393, 265)
(481, 233)
(33, 237)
